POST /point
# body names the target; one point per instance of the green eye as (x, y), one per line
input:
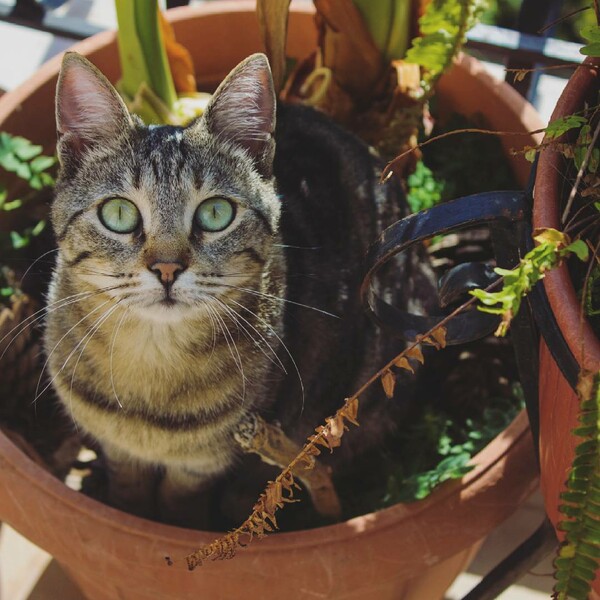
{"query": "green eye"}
(215, 214)
(120, 215)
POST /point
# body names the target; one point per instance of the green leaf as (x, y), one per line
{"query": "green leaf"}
(589, 550)
(587, 447)
(585, 562)
(585, 431)
(424, 190)
(42, 163)
(570, 511)
(588, 459)
(18, 241)
(591, 33)
(10, 162)
(591, 49)
(39, 227)
(24, 149)
(550, 236)
(24, 171)
(531, 154)
(13, 205)
(561, 126)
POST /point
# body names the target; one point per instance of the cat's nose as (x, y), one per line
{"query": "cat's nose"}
(167, 272)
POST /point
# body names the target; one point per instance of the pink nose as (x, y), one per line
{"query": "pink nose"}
(167, 271)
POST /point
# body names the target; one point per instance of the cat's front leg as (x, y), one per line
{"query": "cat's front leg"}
(183, 494)
(131, 483)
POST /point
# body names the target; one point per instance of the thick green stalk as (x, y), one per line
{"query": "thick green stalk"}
(388, 22)
(399, 37)
(153, 48)
(134, 70)
(378, 16)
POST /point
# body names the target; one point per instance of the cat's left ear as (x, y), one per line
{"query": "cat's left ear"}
(242, 111)
(89, 111)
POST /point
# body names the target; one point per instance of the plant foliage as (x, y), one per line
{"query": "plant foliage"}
(591, 34)
(18, 155)
(443, 27)
(424, 189)
(457, 443)
(25, 160)
(578, 557)
(553, 246)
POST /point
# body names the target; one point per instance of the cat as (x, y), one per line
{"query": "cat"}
(207, 272)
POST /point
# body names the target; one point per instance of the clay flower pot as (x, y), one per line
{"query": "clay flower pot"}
(402, 552)
(559, 404)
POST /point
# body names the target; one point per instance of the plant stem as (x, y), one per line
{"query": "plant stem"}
(161, 81)
(580, 174)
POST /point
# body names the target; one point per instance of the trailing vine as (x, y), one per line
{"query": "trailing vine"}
(553, 247)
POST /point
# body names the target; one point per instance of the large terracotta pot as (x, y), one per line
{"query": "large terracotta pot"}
(403, 552)
(558, 402)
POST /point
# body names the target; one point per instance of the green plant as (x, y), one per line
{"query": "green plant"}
(455, 442)
(424, 189)
(578, 557)
(18, 156)
(553, 247)
(444, 27)
(158, 82)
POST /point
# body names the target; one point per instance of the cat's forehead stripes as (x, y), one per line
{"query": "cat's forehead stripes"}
(159, 155)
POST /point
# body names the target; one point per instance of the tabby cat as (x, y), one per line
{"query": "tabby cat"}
(205, 273)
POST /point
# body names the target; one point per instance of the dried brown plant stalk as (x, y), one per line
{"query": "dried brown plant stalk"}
(280, 492)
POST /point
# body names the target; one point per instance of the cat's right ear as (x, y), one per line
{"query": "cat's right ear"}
(242, 111)
(89, 111)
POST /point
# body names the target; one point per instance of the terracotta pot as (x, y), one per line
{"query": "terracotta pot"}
(558, 402)
(406, 551)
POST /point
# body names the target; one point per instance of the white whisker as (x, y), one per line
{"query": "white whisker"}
(112, 351)
(89, 335)
(238, 361)
(280, 341)
(278, 299)
(37, 395)
(235, 316)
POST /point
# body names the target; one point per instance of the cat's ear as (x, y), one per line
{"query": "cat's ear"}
(89, 111)
(242, 111)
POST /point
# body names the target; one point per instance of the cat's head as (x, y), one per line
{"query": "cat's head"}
(165, 218)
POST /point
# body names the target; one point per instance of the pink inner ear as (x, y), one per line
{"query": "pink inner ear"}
(243, 110)
(86, 107)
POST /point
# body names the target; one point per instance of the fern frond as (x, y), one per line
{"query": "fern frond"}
(444, 27)
(578, 557)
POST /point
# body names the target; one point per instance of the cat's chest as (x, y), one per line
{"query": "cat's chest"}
(160, 364)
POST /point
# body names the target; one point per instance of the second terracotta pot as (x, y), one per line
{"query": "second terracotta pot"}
(558, 402)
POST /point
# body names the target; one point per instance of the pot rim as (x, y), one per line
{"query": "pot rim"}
(561, 293)
(10, 455)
